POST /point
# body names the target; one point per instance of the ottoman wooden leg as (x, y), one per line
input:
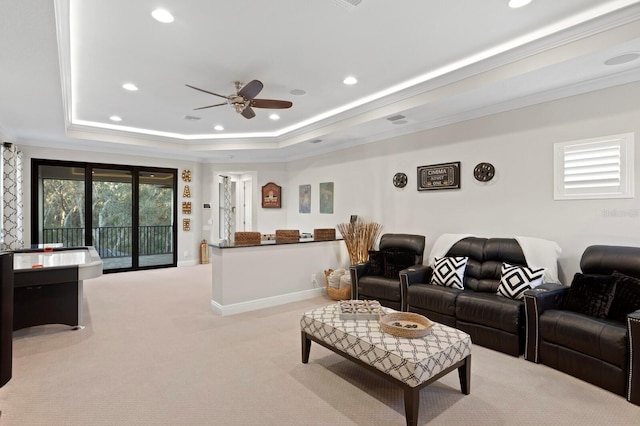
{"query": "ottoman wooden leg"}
(411, 405)
(306, 348)
(464, 372)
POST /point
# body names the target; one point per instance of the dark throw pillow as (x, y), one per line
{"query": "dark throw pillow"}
(626, 298)
(397, 260)
(590, 295)
(376, 263)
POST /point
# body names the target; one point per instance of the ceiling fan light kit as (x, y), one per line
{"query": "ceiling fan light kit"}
(244, 100)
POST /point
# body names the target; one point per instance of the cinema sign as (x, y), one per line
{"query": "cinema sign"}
(439, 176)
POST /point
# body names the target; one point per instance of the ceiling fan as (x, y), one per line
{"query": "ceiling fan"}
(244, 100)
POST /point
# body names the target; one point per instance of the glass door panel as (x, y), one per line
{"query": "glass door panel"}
(156, 214)
(61, 204)
(112, 217)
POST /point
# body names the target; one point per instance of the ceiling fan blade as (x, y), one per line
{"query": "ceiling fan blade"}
(248, 113)
(271, 103)
(206, 91)
(251, 89)
(211, 106)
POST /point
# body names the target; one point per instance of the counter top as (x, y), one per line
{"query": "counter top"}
(225, 245)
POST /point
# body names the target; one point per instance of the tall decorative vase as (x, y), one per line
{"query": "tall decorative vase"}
(359, 237)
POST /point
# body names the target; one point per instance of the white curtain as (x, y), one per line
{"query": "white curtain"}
(11, 233)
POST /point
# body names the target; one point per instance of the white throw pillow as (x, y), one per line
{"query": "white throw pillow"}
(449, 271)
(334, 277)
(515, 280)
(345, 280)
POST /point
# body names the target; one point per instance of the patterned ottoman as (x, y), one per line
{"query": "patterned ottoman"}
(410, 363)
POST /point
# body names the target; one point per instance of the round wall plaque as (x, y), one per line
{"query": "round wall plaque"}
(399, 180)
(484, 172)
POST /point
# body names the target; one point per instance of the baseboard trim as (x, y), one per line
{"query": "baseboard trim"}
(191, 262)
(267, 302)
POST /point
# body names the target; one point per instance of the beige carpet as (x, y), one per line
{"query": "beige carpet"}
(154, 353)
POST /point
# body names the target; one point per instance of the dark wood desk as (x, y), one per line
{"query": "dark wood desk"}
(48, 285)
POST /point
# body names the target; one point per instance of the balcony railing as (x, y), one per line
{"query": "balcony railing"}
(115, 241)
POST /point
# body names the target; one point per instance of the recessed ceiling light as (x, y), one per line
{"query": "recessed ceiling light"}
(218, 127)
(350, 80)
(115, 118)
(514, 4)
(315, 141)
(622, 59)
(274, 117)
(130, 87)
(298, 92)
(162, 15)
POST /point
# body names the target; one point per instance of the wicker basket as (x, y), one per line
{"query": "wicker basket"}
(246, 238)
(324, 234)
(336, 293)
(287, 236)
(396, 323)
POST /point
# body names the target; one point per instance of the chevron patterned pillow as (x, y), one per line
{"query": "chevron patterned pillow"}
(449, 271)
(515, 280)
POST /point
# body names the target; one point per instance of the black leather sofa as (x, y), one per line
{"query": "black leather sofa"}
(586, 341)
(491, 320)
(369, 280)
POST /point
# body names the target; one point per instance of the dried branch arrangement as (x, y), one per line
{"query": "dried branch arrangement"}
(359, 237)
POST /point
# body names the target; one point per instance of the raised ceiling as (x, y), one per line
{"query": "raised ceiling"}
(419, 64)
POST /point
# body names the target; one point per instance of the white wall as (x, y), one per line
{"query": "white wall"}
(517, 202)
(188, 241)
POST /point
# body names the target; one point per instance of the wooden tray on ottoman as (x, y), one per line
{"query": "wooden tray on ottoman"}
(405, 324)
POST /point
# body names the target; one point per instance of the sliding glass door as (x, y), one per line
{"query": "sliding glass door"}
(130, 211)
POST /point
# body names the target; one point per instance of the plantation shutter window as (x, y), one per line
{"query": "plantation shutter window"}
(594, 168)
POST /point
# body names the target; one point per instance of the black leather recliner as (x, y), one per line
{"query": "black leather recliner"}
(601, 351)
(386, 289)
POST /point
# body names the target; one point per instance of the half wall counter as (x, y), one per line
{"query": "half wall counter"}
(250, 277)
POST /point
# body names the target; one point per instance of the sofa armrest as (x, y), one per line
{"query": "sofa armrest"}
(546, 296)
(417, 274)
(546, 287)
(356, 271)
(633, 327)
(412, 275)
(536, 301)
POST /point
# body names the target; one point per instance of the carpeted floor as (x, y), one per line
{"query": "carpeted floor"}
(154, 353)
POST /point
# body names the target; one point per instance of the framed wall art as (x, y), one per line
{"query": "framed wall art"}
(439, 176)
(304, 199)
(326, 197)
(271, 196)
